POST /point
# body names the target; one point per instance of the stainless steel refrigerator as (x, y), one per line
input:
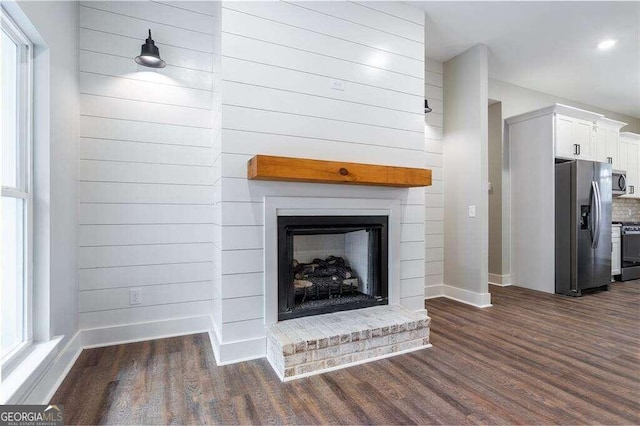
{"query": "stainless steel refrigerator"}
(583, 226)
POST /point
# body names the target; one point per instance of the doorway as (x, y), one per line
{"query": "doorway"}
(498, 208)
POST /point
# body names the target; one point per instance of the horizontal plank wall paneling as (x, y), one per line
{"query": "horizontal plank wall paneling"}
(140, 152)
(303, 61)
(129, 47)
(281, 62)
(218, 290)
(299, 15)
(148, 156)
(434, 202)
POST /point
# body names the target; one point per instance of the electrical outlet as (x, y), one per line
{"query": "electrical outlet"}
(337, 84)
(472, 211)
(135, 296)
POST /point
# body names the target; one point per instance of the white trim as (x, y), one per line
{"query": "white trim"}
(351, 364)
(14, 357)
(500, 280)
(556, 109)
(433, 291)
(479, 300)
(139, 332)
(51, 380)
(237, 351)
(24, 378)
(629, 135)
(241, 350)
(11, 192)
(215, 341)
(24, 169)
(317, 206)
(610, 124)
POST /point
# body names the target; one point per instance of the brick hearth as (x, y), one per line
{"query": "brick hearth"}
(311, 345)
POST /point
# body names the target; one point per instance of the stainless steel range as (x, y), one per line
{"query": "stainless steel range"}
(630, 251)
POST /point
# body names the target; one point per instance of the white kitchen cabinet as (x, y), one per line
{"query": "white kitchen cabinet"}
(616, 255)
(630, 162)
(536, 139)
(607, 143)
(574, 136)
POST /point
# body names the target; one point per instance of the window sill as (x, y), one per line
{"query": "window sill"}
(15, 386)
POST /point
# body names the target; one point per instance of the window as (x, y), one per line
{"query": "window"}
(16, 204)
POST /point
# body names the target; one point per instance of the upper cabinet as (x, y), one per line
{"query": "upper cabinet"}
(606, 142)
(574, 136)
(629, 145)
(577, 134)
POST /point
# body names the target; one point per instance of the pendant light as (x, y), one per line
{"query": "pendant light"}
(150, 55)
(426, 107)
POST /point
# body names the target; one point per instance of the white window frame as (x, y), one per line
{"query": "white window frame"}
(24, 184)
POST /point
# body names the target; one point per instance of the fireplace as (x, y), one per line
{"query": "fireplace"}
(331, 263)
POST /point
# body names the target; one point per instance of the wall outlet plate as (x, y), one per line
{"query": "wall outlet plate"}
(135, 296)
(472, 211)
(337, 84)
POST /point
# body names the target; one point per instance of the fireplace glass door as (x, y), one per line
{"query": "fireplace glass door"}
(331, 263)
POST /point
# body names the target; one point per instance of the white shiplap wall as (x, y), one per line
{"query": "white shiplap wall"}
(147, 156)
(434, 202)
(278, 60)
(216, 308)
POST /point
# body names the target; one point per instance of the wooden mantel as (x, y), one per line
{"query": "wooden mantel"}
(265, 167)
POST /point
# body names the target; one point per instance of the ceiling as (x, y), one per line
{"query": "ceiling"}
(547, 46)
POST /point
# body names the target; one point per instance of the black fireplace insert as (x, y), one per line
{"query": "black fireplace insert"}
(331, 263)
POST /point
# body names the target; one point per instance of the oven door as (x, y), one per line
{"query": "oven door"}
(631, 249)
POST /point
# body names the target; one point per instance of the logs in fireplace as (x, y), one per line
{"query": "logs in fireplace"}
(326, 279)
(332, 282)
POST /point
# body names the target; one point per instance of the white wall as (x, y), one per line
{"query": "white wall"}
(517, 100)
(434, 199)
(146, 162)
(55, 160)
(278, 60)
(216, 306)
(465, 177)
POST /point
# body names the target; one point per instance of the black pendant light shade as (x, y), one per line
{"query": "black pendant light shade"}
(426, 107)
(150, 55)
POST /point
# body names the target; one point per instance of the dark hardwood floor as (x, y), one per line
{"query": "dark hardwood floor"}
(531, 358)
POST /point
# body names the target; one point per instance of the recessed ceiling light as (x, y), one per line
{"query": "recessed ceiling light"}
(606, 44)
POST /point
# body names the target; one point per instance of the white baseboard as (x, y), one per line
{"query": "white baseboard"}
(44, 389)
(242, 350)
(433, 291)
(215, 341)
(500, 280)
(138, 332)
(479, 300)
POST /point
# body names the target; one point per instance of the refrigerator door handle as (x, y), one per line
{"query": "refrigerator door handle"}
(598, 206)
(599, 218)
(593, 204)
